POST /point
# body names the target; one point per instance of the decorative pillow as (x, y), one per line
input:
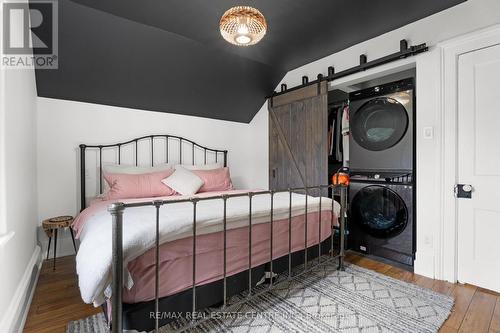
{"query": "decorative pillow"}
(214, 180)
(211, 166)
(145, 185)
(130, 170)
(183, 181)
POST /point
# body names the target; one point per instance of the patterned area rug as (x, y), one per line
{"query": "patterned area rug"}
(324, 300)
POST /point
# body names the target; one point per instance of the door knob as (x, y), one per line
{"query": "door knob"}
(467, 188)
(463, 191)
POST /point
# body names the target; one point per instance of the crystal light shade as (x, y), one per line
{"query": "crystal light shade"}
(243, 25)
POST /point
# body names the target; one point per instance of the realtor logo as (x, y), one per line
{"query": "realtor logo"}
(30, 34)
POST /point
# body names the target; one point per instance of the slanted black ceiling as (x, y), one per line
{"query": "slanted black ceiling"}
(168, 55)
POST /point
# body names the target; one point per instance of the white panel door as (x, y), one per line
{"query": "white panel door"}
(479, 166)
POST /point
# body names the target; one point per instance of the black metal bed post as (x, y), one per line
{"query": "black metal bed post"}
(271, 240)
(116, 211)
(100, 169)
(332, 234)
(136, 152)
(290, 233)
(166, 148)
(343, 204)
(82, 177)
(192, 154)
(152, 150)
(194, 201)
(224, 198)
(319, 225)
(157, 205)
(305, 233)
(250, 196)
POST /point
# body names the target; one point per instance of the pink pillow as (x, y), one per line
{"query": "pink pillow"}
(145, 185)
(214, 180)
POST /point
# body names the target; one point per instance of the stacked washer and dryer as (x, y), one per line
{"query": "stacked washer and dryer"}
(382, 164)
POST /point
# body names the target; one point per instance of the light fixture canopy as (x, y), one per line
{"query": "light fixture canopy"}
(243, 25)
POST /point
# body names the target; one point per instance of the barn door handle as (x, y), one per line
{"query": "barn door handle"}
(274, 173)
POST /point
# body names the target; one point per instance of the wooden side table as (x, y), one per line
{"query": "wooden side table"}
(51, 226)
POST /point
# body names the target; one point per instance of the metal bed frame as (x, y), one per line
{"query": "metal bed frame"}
(117, 209)
(135, 142)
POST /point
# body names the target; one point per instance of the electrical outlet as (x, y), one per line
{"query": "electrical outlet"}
(428, 133)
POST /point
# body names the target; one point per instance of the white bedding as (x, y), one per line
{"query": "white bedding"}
(93, 261)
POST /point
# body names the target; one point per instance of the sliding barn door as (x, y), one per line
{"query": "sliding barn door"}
(298, 138)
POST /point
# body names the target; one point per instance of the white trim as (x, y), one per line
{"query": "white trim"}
(3, 219)
(30, 297)
(448, 260)
(373, 73)
(15, 311)
(5, 238)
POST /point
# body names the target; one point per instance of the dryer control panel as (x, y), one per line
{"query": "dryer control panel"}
(384, 177)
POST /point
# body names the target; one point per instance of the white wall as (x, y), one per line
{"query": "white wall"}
(18, 201)
(464, 18)
(63, 125)
(259, 128)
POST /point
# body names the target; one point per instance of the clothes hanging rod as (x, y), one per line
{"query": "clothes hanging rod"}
(404, 52)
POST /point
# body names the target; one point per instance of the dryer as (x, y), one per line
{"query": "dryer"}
(381, 219)
(381, 124)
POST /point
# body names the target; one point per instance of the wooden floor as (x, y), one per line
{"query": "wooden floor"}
(57, 300)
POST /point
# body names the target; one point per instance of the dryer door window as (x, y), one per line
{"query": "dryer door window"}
(379, 211)
(379, 124)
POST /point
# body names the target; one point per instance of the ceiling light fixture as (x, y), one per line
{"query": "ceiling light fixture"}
(243, 25)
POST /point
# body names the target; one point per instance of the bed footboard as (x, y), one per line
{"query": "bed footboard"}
(117, 210)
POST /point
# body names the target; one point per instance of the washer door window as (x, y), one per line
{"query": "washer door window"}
(379, 124)
(379, 211)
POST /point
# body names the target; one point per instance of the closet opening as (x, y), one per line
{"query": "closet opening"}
(338, 130)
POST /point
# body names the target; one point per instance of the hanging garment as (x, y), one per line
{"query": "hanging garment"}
(331, 137)
(345, 121)
(330, 140)
(345, 135)
(338, 135)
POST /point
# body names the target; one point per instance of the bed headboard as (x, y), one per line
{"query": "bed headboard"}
(158, 148)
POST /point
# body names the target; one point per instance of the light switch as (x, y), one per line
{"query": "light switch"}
(428, 132)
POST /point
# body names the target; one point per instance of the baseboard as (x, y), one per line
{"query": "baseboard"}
(424, 264)
(15, 316)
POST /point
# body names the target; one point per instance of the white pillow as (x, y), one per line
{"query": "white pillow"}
(183, 181)
(211, 166)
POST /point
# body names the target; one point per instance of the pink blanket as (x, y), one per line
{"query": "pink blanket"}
(176, 257)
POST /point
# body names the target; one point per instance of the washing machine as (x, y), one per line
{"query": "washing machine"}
(381, 220)
(381, 124)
